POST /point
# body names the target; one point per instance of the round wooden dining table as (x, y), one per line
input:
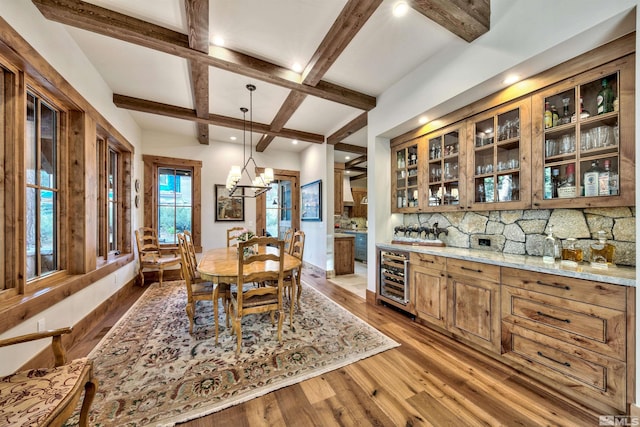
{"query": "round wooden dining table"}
(220, 265)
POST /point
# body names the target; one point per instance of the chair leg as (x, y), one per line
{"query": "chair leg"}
(216, 291)
(299, 290)
(160, 275)
(89, 393)
(280, 315)
(190, 310)
(238, 329)
(141, 277)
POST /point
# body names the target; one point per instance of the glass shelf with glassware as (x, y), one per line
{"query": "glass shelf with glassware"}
(444, 167)
(407, 169)
(581, 148)
(497, 159)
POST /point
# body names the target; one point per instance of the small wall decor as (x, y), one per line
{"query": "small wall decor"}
(312, 201)
(228, 208)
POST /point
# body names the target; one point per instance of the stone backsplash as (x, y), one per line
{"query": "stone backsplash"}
(522, 232)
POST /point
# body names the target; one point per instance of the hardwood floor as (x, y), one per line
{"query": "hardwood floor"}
(430, 380)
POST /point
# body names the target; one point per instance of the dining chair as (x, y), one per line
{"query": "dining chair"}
(150, 255)
(255, 300)
(297, 250)
(47, 396)
(288, 238)
(191, 251)
(200, 290)
(232, 235)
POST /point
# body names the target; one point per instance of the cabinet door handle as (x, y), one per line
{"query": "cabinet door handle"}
(567, 364)
(553, 317)
(471, 269)
(554, 285)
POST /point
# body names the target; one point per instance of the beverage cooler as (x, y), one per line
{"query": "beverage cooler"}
(393, 279)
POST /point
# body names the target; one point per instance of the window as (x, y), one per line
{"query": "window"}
(175, 208)
(41, 210)
(172, 202)
(112, 166)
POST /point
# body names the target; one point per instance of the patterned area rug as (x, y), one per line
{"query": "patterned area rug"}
(152, 372)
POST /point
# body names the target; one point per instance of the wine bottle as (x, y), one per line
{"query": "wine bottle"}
(590, 180)
(604, 100)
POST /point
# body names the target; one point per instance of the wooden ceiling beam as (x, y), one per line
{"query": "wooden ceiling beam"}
(468, 19)
(289, 106)
(353, 162)
(350, 148)
(197, 12)
(137, 104)
(351, 19)
(361, 176)
(113, 24)
(348, 129)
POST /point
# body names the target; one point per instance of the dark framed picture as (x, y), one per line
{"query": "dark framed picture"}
(311, 195)
(228, 208)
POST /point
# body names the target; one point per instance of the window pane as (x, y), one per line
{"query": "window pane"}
(47, 146)
(174, 203)
(112, 226)
(183, 219)
(31, 145)
(32, 265)
(47, 232)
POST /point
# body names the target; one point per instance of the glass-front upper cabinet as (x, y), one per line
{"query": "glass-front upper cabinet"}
(407, 175)
(499, 157)
(579, 148)
(446, 169)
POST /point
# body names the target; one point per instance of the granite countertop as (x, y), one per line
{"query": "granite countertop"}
(617, 275)
(343, 235)
(350, 230)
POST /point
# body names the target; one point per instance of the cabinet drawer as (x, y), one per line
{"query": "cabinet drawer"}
(487, 272)
(573, 370)
(428, 260)
(597, 293)
(596, 328)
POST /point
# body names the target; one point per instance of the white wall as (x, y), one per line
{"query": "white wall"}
(313, 166)
(51, 41)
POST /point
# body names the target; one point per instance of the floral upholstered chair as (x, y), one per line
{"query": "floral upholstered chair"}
(46, 396)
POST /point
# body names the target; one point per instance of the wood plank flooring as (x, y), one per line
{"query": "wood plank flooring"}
(430, 380)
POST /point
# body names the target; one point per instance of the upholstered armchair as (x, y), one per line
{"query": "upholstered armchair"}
(46, 396)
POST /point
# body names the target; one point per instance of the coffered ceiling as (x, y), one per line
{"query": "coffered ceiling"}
(160, 60)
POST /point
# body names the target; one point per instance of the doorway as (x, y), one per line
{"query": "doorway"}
(278, 209)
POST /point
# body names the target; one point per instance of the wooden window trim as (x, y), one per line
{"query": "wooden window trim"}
(150, 191)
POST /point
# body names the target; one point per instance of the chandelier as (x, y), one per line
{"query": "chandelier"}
(261, 182)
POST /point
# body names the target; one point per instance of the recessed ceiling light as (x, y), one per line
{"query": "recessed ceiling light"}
(348, 171)
(233, 138)
(347, 157)
(296, 67)
(511, 79)
(400, 9)
(294, 142)
(218, 41)
(422, 120)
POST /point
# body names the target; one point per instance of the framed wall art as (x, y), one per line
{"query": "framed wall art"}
(228, 208)
(311, 195)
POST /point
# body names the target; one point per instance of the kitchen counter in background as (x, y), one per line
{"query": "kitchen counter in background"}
(625, 276)
(360, 242)
(344, 253)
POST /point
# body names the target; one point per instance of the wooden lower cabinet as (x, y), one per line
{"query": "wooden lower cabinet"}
(429, 283)
(573, 332)
(343, 258)
(573, 335)
(473, 295)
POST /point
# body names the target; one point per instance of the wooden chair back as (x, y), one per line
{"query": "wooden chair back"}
(232, 235)
(191, 252)
(258, 268)
(147, 240)
(297, 244)
(288, 239)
